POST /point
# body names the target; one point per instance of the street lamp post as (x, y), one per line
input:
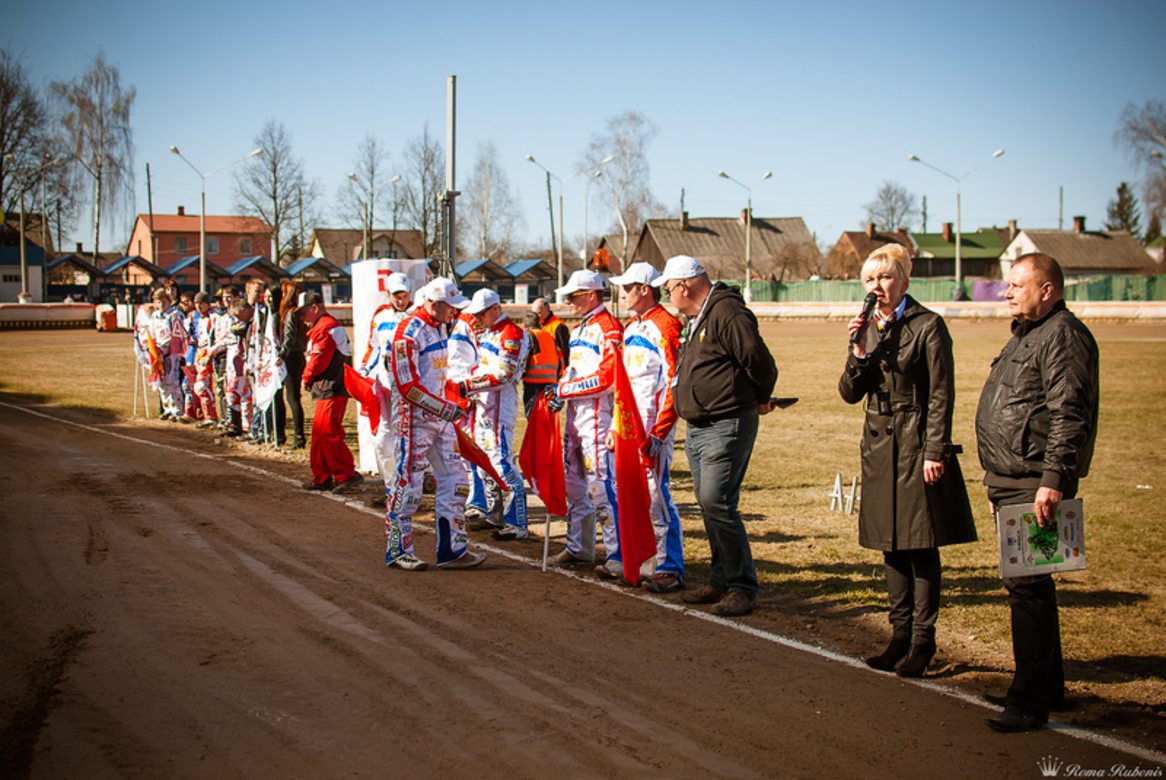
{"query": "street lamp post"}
(958, 227)
(559, 248)
(586, 226)
(590, 179)
(367, 216)
(23, 184)
(748, 230)
(559, 253)
(202, 210)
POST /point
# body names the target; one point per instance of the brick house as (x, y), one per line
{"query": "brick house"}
(176, 236)
(855, 246)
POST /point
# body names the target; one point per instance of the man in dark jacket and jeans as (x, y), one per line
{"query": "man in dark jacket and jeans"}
(724, 378)
(1035, 426)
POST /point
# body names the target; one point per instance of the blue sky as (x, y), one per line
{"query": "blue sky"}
(830, 97)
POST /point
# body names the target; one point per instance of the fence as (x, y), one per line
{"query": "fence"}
(1094, 288)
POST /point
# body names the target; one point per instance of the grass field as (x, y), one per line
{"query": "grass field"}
(1112, 615)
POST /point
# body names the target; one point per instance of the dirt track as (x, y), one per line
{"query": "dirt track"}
(175, 610)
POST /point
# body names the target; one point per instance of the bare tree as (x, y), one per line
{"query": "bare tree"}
(1142, 132)
(490, 217)
(424, 175)
(271, 186)
(96, 123)
(625, 179)
(373, 172)
(796, 261)
(23, 123)
(892, 208)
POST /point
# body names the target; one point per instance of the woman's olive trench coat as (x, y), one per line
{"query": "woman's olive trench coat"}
(908, 382)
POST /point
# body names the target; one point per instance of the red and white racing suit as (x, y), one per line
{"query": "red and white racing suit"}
(229, 332)
(375, 364)
(588, 392)
(425, 437)
(463, 359)
(204, 382)
(502, 349)
(650, 344)
(171, 345)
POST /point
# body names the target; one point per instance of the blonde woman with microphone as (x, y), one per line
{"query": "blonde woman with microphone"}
(914, 500)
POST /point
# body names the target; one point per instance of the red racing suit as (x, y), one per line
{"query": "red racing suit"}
(588, 392)
(425, 437)
(328, 351)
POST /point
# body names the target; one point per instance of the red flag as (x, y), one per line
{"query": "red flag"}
(470, 450)
(155, 357)
(637, 540)
(362, 390)
(541, 457)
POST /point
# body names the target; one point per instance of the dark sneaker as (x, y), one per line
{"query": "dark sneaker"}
(378, 502)
(734, 604)
(664, 582)
(348, 485)
(705, 594)
(325, 485)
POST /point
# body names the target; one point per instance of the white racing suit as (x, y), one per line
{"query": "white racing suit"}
(588, 392)
(494, 383)
(650, 343)
(167, 330)
(425, 436)
(375, 365)
(463, 359)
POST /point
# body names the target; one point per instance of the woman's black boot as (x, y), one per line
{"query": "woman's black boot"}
(917, 660)
(892, 655)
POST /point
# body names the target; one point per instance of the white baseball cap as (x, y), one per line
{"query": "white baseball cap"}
(442, 289)
(482, 300)
(636, 273)
(679, 267)
(398, 282)
(581, 281)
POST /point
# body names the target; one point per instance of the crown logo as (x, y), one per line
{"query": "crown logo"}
(1049, 766)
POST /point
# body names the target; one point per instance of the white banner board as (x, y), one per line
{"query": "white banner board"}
(368, 294)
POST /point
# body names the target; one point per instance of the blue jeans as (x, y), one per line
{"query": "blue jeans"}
(718, 454)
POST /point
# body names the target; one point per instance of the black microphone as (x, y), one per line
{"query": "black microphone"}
(867, 308)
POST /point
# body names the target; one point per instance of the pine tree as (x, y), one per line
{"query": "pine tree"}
(1123, 213)
(1153, 230)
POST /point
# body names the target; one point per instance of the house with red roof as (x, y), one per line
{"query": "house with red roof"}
(165, 239)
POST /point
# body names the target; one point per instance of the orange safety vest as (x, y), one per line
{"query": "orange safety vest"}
(543, 368)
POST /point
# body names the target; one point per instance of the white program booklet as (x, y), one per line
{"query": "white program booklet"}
(1027, 549)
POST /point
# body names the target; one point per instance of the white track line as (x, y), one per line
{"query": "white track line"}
(1077, 732)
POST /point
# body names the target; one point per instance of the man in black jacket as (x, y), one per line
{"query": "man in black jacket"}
(1035, 427)
(724, 378)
